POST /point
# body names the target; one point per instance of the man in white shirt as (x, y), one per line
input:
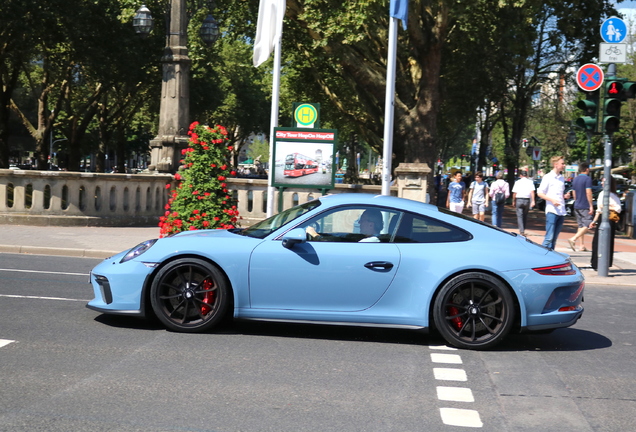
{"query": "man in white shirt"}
(551, 190)
(523, 199)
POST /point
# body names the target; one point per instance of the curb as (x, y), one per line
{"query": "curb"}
(67, 252)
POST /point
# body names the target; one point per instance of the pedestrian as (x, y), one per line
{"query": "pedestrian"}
(551, 190)
(478, 196)
(499, 193)
(523, 200)
(583, 205)
(456, 193)
(614, 207)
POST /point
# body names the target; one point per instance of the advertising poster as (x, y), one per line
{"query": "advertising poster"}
(304, 157)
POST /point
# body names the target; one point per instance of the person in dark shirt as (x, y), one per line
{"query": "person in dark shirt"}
(583, 205)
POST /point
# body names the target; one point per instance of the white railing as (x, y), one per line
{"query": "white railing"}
(73, 198)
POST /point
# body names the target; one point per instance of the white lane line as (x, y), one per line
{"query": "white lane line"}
(446, 358)
(461, 417)
(448, 374)
(5, 342)
(44, 272)
(42, 298)
(455, 394)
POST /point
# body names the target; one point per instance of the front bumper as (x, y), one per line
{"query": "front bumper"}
(118, 287)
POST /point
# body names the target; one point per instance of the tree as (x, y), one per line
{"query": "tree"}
(515, 48)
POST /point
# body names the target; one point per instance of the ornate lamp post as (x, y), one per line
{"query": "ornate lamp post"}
(174, 112)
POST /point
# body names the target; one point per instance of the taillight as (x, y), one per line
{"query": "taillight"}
(558, 270)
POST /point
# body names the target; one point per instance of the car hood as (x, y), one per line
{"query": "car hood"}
(204, 233)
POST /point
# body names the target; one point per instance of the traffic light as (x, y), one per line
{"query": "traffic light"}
(589, 105)
(612, 106)
(629, 90)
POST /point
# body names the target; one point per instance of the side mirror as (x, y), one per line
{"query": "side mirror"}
(297, 235)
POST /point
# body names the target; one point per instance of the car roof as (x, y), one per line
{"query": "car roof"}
(380, 200)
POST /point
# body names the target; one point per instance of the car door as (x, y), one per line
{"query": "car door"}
(341, 274)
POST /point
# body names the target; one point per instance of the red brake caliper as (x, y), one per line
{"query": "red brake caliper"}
(457, 320)
(208, 298)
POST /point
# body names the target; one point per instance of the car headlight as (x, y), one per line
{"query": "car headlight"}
(138, 250)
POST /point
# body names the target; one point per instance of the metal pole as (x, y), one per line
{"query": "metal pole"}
(51, 149)
(273, 123)
(603, 250)
(387, 151)
(589, 143)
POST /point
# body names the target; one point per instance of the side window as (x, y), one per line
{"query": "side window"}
(353, 224)
(420, 229)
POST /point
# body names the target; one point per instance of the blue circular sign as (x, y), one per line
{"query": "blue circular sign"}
(590, 77)
(613, 30)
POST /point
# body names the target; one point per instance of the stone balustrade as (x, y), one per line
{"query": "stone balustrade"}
(92, 199)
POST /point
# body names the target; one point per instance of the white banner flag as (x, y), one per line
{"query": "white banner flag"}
(269, 28)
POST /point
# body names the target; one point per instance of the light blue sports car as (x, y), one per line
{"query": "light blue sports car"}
(350, 259)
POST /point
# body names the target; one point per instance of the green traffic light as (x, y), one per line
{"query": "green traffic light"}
(587, 123)
(613, 107)
(589, 106)
(611, 124)
(629, 90)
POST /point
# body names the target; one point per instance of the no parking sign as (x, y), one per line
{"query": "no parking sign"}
(590, 77)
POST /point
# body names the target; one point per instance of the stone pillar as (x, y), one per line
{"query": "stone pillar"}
(411, 181)
(174, 113)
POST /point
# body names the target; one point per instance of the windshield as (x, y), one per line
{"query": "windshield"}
(264, 228)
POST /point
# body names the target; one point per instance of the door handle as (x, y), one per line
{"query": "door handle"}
(384, 265)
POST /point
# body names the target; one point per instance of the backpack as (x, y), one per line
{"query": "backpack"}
(500, 197)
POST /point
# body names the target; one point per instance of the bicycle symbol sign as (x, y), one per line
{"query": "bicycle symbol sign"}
(590, 77)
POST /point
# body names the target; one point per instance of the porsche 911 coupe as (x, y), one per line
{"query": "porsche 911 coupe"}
(349, 259)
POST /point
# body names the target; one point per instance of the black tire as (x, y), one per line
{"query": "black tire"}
(189, 295)
(474, 311)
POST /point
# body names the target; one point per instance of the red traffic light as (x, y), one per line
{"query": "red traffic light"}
(614, 88)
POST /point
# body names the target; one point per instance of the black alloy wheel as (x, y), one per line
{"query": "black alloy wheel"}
(189, 295)
(474, 311)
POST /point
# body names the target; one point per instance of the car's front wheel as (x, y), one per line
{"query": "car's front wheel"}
(189, 295)
(474, 311)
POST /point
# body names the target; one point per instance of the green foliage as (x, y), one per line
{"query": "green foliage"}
(259, 149)
(202, 200)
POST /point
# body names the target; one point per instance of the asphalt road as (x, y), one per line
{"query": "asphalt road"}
(64, 367)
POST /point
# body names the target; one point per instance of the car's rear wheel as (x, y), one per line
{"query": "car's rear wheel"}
(474, 311)
(189, 295)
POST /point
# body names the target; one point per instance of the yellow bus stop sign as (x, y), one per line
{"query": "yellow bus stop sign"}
(306, 115)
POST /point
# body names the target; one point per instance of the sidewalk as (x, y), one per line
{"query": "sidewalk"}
(102, 242)
(623, 271)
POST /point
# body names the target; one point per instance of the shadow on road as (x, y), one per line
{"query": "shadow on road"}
(568, 339)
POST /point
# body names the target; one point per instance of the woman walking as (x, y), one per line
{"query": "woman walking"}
(614, 207)
(499, 193)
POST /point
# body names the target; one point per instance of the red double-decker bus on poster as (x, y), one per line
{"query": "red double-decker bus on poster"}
(297, 165)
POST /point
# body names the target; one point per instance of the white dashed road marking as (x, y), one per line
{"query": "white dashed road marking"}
(454, 416)
(447, 374)
(446, 358)
(5, 342)
(461, 417)
(455, 394)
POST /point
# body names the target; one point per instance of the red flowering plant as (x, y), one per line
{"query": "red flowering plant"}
(201, 200)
